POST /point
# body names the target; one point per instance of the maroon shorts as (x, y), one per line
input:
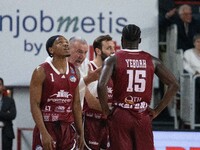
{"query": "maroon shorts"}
(63, 134)
(130, 130)
(95, 133)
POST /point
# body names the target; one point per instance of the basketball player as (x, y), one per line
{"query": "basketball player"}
(95, 126)
(132, 71)
(54, 99)
(78, 57)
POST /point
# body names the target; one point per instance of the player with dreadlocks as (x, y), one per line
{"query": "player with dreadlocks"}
(132, 71)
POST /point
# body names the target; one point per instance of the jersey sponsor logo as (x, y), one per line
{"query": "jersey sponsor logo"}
(59, 100)
(110, 90)
(38, 147)
(88, 114)
(46, 117)
(69, 110)
(60, 109)
(93, 142)
(72, 78)
(110, 96)
(97, 116)
(132, 100)
(94, 115)
(62, 93)
(54, 117)
(140, 107)
(61, 97)
(123, 105)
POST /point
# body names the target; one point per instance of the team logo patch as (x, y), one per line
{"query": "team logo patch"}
(72, 78)
(38, 147)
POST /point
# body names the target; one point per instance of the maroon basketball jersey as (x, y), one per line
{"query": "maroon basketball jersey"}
(91, 112)
(133, 79)
(58, 93)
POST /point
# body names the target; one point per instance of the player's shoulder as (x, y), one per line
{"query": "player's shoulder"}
(156, 61)
(110, 59)
(40, 69)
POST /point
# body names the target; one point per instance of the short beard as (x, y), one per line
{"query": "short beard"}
(103, 56)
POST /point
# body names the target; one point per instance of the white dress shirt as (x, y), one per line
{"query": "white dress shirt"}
(191, 61)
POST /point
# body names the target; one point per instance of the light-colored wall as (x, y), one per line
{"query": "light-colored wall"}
(23, 118)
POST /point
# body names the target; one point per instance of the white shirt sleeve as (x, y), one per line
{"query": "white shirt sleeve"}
(82, 87)
(83, 72)
(191, 62)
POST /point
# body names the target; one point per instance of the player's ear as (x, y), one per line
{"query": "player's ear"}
(139, 40)
(98, 51)
(51, 50)
(122, 42)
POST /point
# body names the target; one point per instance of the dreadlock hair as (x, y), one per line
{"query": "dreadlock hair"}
(131, 32)
(98, 41)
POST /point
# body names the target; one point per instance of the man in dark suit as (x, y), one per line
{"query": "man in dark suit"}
(7, 114)
(167, 13)
(187, 27)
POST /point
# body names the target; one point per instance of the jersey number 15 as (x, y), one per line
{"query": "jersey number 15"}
(136, 80)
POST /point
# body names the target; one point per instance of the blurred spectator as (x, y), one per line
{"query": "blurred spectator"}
(191, 64)
(7, 114)
(191, 61)
(187, 27)
(167, 13)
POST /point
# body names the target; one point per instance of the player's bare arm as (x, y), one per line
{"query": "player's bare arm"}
(105, 75)
(77, 111)
(168, 79)
(37, 79)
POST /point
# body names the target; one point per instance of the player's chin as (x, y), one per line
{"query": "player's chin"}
(77, 63)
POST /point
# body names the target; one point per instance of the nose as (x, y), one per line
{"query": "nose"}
(66, 44)
(112, 50)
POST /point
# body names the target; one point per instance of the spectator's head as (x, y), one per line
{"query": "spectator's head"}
(196, 41)
(78, 48)
(130, 36)
(103, 46)
(185, 13)
(1, 86)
